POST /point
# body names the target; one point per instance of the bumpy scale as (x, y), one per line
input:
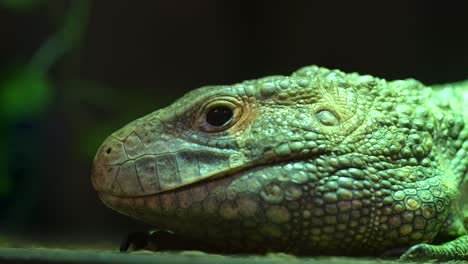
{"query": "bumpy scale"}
(319, 162)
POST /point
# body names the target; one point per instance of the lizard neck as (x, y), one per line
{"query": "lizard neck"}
(455, 95)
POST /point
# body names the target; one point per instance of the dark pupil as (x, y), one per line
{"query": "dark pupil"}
(219, 116)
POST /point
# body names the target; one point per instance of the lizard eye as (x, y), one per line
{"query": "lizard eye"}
(218, 116)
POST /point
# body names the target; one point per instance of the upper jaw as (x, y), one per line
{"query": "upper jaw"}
(117, 173)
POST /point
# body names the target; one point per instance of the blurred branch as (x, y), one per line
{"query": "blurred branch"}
(65, 39)
(25, 94)
(26, 89)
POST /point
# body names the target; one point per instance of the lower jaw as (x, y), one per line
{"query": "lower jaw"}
(227, 236)
(184, 211)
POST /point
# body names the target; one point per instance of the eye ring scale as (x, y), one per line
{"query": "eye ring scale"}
(218, 116)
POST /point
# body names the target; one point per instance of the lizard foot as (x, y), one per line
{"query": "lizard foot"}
(393, 253)
(158, 240)
(135, 241)
(453, 250)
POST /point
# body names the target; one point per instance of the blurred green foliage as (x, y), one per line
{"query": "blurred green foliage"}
(5, 181)
(26, 88)
(45, 85)
(20, 4)
(24, 91)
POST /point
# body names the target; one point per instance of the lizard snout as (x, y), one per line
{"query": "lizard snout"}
(126, 168)
(107, 163)
(120, 168)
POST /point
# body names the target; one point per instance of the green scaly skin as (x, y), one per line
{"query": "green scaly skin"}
(316, 163)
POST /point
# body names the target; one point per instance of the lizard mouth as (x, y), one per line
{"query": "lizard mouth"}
(149, 175)
(253, 186)
(115, 172)
(150, 207)
(119, 173)
(117, 189)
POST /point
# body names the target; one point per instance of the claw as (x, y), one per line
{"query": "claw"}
(417, 252)
(135, 241)
(159, 240)
(393, 253)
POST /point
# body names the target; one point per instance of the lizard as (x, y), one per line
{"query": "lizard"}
(320, 162)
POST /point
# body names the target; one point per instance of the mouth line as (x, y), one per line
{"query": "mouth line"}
(201, 151)
(237, 172)
(219, 175)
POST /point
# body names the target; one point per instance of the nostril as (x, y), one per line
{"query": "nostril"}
(111, 152)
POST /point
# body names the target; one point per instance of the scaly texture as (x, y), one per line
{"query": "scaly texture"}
(319, 162)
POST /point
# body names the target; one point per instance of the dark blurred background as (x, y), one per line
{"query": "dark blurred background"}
(72, 72)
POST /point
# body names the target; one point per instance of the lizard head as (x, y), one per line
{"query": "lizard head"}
(298, 163)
